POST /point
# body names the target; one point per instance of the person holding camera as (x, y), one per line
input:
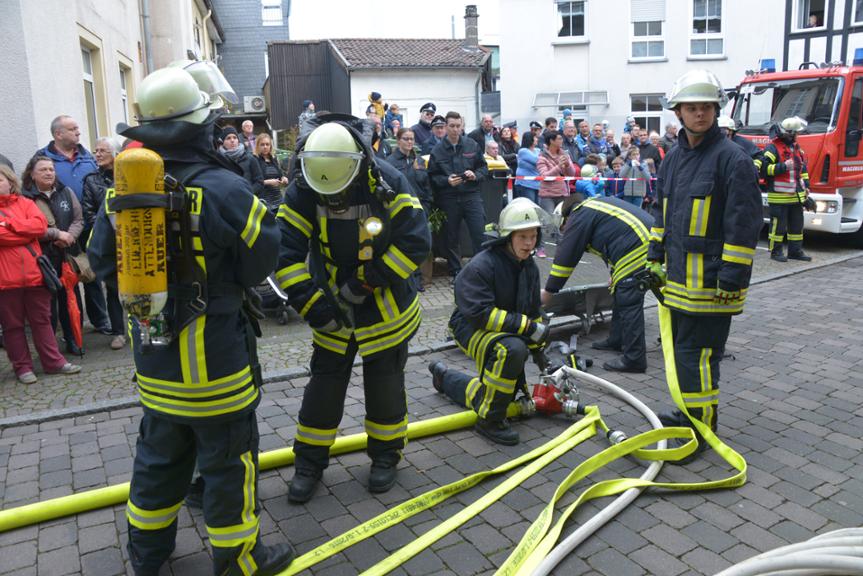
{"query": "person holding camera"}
(456, 168)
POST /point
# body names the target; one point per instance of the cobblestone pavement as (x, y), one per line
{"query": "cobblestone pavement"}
(791, 404)
(106, 376)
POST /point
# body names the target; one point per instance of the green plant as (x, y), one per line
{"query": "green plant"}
(437, 219)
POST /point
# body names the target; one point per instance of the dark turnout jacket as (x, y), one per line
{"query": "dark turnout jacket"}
(614, 230)
(707, 218)
(447, 159)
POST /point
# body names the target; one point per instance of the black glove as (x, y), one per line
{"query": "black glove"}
(809, 204)
(538, 332)
(354, 291)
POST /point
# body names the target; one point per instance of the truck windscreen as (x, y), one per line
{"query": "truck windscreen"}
(815, 100)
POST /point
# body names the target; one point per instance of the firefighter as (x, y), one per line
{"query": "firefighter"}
(787, 178)
(619, 233)
(707, 218)
(365, 233)
(497, 322)
(729, 128)
(199, 385)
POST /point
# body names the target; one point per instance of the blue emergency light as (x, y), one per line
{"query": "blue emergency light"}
(767, 65)
(858, 57)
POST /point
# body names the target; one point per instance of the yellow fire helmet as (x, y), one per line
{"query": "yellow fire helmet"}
(330, 159)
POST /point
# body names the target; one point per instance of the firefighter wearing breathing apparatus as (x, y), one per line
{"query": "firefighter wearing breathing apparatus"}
(497, 321)
(617, 232)
(364, 233)
(183, 236)
(784, 170)
(706, 223)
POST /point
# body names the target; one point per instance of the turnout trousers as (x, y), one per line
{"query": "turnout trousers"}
(786, 220)
(502, 374)
(627, 322)
(699, 343)
(324, 404)
(227, 456)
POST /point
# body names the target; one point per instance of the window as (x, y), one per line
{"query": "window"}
(271, 12)
(90, 95)
(706, 39)
(647, 41)
(573, 19)
(812, 14)
(858, 12)
(647, 110)
(124, 94)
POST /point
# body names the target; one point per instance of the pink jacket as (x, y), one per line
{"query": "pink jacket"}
(549, 165)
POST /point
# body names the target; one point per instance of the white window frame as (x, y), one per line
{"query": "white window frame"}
(124, 94)
(857, 18)
(90, 105)
(582, 39)
(796, 7)
(707, 36)
(268, 10)
(646, 40)
(647, 114)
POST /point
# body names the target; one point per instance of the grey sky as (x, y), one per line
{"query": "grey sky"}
(313, 19)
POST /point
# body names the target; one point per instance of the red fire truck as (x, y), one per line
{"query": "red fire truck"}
(830, 98)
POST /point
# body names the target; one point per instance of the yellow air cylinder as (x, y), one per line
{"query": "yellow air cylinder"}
(142, 266)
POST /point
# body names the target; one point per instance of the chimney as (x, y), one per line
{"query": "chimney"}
(471, 32)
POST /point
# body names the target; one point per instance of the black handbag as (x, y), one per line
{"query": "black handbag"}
(49, 275)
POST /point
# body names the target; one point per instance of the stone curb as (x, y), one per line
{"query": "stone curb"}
(559, 323)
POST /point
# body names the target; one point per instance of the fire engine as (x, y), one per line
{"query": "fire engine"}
(830, 98)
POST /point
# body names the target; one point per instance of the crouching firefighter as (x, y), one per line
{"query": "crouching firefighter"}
(184, 237)
(364, 233)
(618, 232)
(784, 169)
(497, 321)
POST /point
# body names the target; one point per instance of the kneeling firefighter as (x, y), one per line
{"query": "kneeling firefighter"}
(497, 321)
(619, 233)
(364, 233)
(208, 239)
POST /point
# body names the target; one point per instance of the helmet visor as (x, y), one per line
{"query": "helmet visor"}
(330, 172)
(211, 80)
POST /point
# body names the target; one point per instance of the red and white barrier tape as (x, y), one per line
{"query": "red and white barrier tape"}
(566, 178)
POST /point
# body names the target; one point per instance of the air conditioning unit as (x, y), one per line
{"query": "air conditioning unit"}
(254, 104)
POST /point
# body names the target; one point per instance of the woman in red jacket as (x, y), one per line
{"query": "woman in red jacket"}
(23, 296)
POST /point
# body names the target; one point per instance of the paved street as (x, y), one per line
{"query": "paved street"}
(791, 405)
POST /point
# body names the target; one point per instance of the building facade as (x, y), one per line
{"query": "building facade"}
(608, 60)
(821, 31)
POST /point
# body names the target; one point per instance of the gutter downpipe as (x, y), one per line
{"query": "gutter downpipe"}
(145, 30)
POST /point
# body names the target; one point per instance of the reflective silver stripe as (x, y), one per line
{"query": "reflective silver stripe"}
(400, 431)
(251, 391)
(737, 254)
(358, 212)
(315, 436)
(239, 534)
(699, 218)
(180, 388)
(255, 223)
(192, 349)
(170, 516)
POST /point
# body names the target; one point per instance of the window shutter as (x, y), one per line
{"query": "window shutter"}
(648, 10)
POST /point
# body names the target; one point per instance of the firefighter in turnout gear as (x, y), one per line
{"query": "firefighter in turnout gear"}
(707, 219)
(364, 233)
(784, 170)
(199, 379)
(617, 232)
(497, 321)
(729, 128)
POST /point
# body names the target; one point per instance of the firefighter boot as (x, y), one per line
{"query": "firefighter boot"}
(382, 477)
(621, 365)
(303, 485)
(607, 344)
(678, 418)
(497, 431)
(437, 369)
(272, 560)
(778, 253)
(795, 252)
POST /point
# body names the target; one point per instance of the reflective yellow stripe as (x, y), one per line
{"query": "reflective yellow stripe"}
(396, 260)
(770, 156)
(316, 436)
(737, 254)
(331, 342)
(193, 359)
(402, 201)
(196, 390)
(367, 347)
(200, 409)
(629, 264)
(523, 324)
(151, 519)
(637, 226)
(470, 392)
(489, 378)
(656, 234)
(781, 198)
(253, 222)
(235, 535)
(704, 373)
(295, 219)
(380, 328)
(771, 170)
(694, 270)
(794, 237)
(700, 216)
(561, 271)
(702, 306)
(293, 274)
(305, 309)
(496, 318)
(386, 432)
